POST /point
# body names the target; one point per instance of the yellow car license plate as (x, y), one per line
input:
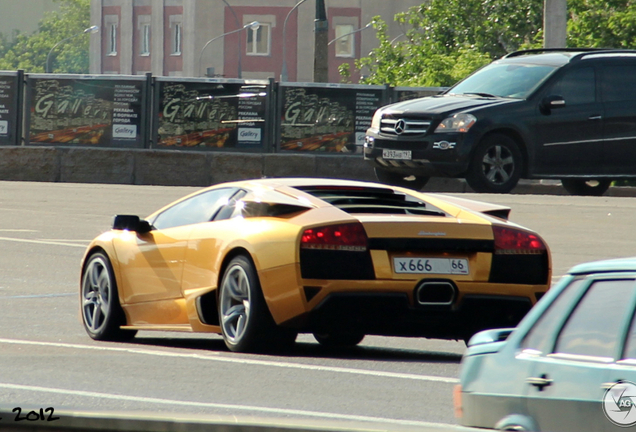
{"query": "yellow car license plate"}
(431, 265)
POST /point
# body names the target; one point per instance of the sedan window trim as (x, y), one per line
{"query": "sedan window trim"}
(581, 358)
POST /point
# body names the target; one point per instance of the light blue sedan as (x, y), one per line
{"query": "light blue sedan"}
(570, 365)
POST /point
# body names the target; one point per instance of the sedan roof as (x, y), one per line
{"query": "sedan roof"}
(611, 265)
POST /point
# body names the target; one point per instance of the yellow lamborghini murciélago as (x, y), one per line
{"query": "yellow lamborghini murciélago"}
(259, 261)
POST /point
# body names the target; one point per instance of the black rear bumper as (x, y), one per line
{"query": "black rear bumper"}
(392, 315)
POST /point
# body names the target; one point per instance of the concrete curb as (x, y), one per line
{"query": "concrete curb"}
(192, 168)
(148, 422)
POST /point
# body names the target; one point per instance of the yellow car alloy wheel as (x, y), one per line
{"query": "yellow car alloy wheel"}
(236, 301)
(101, 311)
(246, 322)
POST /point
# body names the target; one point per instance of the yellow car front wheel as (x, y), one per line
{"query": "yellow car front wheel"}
(101, 312)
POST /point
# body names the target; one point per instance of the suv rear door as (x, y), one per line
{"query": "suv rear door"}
(570, 139)
(619, 125)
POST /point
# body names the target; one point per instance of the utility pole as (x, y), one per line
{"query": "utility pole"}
(555, 23)
(321, 34)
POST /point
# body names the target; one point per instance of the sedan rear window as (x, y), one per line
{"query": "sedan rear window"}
(594, 327)
(541, 337)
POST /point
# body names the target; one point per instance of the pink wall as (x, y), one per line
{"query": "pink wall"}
(274, 61)
(335, 62)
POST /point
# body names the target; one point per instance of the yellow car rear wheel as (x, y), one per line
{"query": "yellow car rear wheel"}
(246, 322)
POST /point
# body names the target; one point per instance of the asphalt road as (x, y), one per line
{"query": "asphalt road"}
(47, 360)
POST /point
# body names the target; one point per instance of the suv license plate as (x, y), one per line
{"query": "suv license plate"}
(396, 154)
(431, 265)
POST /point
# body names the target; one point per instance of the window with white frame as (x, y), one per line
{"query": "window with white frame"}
(176, 28)
(144, 34)
(111, 22)
(258, 40)
(344, 40)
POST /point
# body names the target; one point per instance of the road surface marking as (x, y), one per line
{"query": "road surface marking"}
(279, 411)
(233, 359)
(55, 243)
(38, 296)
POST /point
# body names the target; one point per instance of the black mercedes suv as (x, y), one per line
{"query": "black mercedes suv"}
(567, 114)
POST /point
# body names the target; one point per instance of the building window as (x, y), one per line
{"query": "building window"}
(258, 40)
(176, 28)
(111, 23)
(344, 40)
(145, 39)
(144, 34)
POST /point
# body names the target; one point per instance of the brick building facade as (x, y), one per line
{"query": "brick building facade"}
(185, 37)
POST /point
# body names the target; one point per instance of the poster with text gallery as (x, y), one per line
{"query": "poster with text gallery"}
(86, 111)
(332, 119)
(211, 115)
(9, 109)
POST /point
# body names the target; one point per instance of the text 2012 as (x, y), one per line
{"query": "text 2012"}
(44, 414)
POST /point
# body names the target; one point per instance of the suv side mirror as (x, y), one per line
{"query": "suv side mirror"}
(131, 223)
(552, 102)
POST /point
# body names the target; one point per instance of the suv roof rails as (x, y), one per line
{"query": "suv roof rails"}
(548, 50)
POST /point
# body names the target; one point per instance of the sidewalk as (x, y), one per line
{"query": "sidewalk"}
(525, 187)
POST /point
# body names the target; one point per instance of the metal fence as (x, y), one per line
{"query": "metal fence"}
(133, 111)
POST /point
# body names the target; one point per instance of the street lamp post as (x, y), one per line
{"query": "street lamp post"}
(321, 57)
(350, 33)
(91, 29)
(283, 74)
(239, 71)
(254, 25)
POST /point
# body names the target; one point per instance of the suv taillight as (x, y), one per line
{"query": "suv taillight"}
(513, 241)
(344, 237)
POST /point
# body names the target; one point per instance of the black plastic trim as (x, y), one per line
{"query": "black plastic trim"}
(334, 264)
(431, 244)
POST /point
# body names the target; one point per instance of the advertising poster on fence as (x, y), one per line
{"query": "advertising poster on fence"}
(90, 112)
(205, 115)
(327, 119)
(8, 109)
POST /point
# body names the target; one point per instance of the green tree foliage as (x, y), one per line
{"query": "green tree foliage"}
(445, 40)
(602, 24)
(29, 52)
